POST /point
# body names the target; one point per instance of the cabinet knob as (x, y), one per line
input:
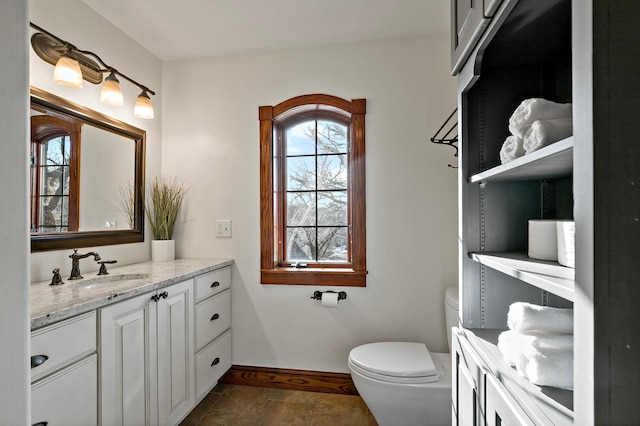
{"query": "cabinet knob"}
(214, 317)
(37, 360)
(155, 297)
(40, 424)
(164, 294)
(215, 362)
(215, 284)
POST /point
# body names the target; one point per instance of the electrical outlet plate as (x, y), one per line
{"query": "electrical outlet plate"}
(223, 229)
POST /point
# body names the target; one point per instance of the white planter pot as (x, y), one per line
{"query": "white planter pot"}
(163, 250)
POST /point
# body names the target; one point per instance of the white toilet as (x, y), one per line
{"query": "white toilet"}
(402, 383)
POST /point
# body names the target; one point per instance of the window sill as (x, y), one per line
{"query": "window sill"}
(314, 276)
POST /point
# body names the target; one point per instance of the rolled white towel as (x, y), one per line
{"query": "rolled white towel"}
(545, 132)
(526, 316)
(549, 367)
(534, 109)
(512, 148)
(517, 345)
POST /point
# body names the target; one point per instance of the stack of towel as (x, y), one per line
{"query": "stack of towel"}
(539, 344)
(536, 123)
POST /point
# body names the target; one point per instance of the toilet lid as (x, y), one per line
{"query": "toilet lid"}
(405, 360)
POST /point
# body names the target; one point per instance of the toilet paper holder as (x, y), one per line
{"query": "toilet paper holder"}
(317, 295)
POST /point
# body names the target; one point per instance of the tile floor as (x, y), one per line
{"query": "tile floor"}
(236, 405)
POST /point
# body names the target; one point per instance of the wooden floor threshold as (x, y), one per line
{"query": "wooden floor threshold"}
(280, 378)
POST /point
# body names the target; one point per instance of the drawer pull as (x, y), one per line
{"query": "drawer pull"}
(215, 362)
(40, 424)
(37, 360)
(162, 295)
(214, 317)
(215, 284)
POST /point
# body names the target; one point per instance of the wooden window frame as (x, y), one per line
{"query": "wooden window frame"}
(272, 269)
(43, 129)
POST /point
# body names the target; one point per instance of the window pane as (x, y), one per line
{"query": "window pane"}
(301, 173)
(300, 139)
(332, 171)
(332, 208)
(332, 138)
(332, 244)
(301, 209)
(301, 244)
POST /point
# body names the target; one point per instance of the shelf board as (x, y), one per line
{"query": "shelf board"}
(548, 276)
(555, 160)
(546, 404)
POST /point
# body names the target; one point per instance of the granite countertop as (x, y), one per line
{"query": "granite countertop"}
(50, 304)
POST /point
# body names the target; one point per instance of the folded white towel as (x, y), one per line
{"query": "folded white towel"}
(534, 109)
(549, 367)
(512, 148)
(514, 345)
(545, 132)
(526, 316)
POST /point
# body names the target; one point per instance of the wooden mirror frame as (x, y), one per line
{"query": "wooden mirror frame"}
(68, 240)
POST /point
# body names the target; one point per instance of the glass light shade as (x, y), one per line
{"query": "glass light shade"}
(67, 72)
(111, 93)
(144, 107)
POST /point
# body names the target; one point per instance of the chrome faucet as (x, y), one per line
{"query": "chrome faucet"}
(75, 263)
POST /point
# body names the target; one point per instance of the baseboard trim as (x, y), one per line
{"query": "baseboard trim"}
(281, 378)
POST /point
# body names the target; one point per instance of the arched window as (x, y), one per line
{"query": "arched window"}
(312, 192)
(54, 174)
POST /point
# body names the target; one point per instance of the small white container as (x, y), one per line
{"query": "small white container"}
(566, 231)
(543, 239)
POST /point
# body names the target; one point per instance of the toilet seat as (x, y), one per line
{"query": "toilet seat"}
(395, 362)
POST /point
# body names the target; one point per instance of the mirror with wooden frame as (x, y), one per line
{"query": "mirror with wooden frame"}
(87, 176)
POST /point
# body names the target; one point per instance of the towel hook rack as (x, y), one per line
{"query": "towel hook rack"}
(444, 137)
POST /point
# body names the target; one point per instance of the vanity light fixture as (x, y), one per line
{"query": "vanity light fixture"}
(111, 93)
(73, 65)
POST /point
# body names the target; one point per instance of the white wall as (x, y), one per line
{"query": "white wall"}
(211, 141)
(14, 272)
(75, 22)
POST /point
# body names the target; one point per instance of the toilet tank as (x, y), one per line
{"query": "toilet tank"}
(451, 311)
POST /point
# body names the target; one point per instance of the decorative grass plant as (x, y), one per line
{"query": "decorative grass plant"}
(127, 199)
(164, 200)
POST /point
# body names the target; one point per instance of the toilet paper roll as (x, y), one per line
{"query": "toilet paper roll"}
(329, 300)
(566, 231)
(543, 239)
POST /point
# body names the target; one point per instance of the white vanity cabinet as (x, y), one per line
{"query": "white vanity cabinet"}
(146, 347)
(64, 375)
(212, 328)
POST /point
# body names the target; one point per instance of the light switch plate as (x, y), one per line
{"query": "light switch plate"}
(223, 229)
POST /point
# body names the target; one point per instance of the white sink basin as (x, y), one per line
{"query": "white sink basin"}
(94, 281)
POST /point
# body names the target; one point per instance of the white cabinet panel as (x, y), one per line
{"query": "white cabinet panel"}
(212, 362)
(502, 409)
(213, 316)
(128, 366)
(62, 343)
(212, 282)
(175, 348)
(68, 397)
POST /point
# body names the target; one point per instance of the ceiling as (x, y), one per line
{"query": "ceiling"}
(182, 29)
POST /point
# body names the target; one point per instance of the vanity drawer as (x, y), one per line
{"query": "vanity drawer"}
(68, 397)
(62, 343)
(213, 316)
(211, 363)
(212, 282)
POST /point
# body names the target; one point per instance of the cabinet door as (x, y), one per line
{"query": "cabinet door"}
(468, 382)
(502, 409)
(68, 397)
(467, 25)
(176, 372)
(128, 366)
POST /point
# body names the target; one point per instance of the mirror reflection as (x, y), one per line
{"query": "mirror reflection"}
(85, 171)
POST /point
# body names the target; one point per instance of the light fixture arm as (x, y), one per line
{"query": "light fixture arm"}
(106, 68)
